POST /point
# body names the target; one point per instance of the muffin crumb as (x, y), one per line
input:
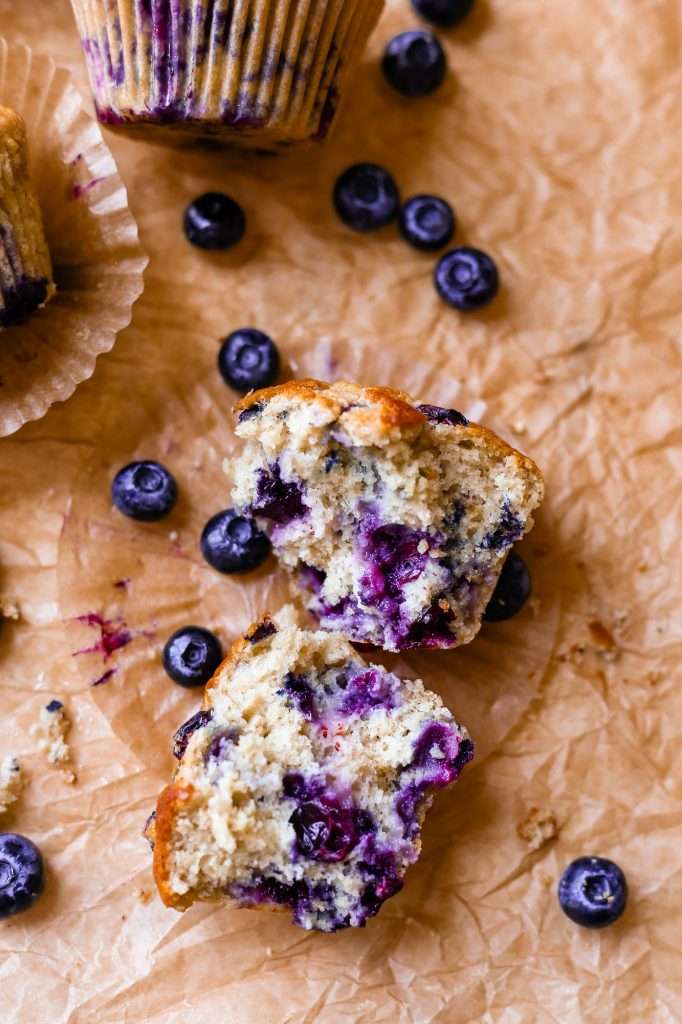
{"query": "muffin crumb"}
(51, 730)
(11, 782)
(538, 828)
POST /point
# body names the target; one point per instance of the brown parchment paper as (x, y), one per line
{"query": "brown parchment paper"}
(557, 138)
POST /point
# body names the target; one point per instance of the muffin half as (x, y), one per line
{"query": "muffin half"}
(303, 782)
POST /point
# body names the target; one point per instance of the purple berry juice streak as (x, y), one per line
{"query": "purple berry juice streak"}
(113, 634)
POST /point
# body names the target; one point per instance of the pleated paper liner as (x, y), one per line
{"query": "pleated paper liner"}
(125, 586)
(92, 236)
(259, 73)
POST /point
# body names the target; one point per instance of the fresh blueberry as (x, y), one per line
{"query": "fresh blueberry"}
(466, 279)
(214, 221)
(366, 197)
(414, 63)
(511, 592)
(248, 359)
(21, 874)
(593, 892)
(231, 542)
(192, 655)
(437, 414)
(144, 490)
(427, 222)
(443, 12)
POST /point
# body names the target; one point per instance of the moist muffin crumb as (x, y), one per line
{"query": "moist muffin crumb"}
(51, 730)
(11, 782)
(303, 781)
(394, 518)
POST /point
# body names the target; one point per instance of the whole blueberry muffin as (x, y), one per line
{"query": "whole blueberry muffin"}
(25, 267)
(394, 518)
(262, 73)
(303, 782)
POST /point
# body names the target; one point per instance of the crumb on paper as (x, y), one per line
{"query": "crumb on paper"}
(173, 536)
(603, 639)
(51, 730)
(538, 828)
(145, 896)
(519, 427)
(11, 782)
(534, 605)
(9, 609)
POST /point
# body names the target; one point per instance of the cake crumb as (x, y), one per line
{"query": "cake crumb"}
(537, 828)
(11, 782)
(9, 609)
(173, 536)
(51, 730)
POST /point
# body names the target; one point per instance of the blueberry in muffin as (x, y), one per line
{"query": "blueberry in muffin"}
(303, 782)
(393, 518)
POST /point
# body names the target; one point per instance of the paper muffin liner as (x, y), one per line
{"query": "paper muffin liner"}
(260, 73)
(97, 259)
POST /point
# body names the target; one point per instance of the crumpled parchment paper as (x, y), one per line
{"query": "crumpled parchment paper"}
(557, 138)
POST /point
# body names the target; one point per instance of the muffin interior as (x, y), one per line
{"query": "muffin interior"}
(395, 520)
(304, 780)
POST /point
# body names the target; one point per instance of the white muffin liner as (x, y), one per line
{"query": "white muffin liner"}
(92, 236)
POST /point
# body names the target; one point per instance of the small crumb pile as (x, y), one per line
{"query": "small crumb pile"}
(51, 730)
(538, 828)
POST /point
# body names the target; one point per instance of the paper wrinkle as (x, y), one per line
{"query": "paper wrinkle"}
(558, 144)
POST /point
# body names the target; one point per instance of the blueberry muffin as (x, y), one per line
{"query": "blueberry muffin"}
(303, 782)
(262, 73)
(25, 267)
(394, 518)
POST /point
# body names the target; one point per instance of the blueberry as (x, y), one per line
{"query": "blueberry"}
(427, 222)
(511, 592)
(593, 892)
(324, 832)
(214, 221)
(466, 278)
(21, 874)
(144, 490)
(437, 414)
(182, 736)
(231, 542)
(248, 359)
(366, 197)
(414, 63)
(192, 655)
(443, 12)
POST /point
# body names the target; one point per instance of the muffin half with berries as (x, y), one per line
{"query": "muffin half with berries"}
(25, 266)
(303, 782)
(261, 75)
(393, 517)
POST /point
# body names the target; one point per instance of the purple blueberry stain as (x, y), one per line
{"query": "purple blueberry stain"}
(508, 530)
(105, 677)
(299, 693)
(220, 745)
(113, 634)
(368, 691)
